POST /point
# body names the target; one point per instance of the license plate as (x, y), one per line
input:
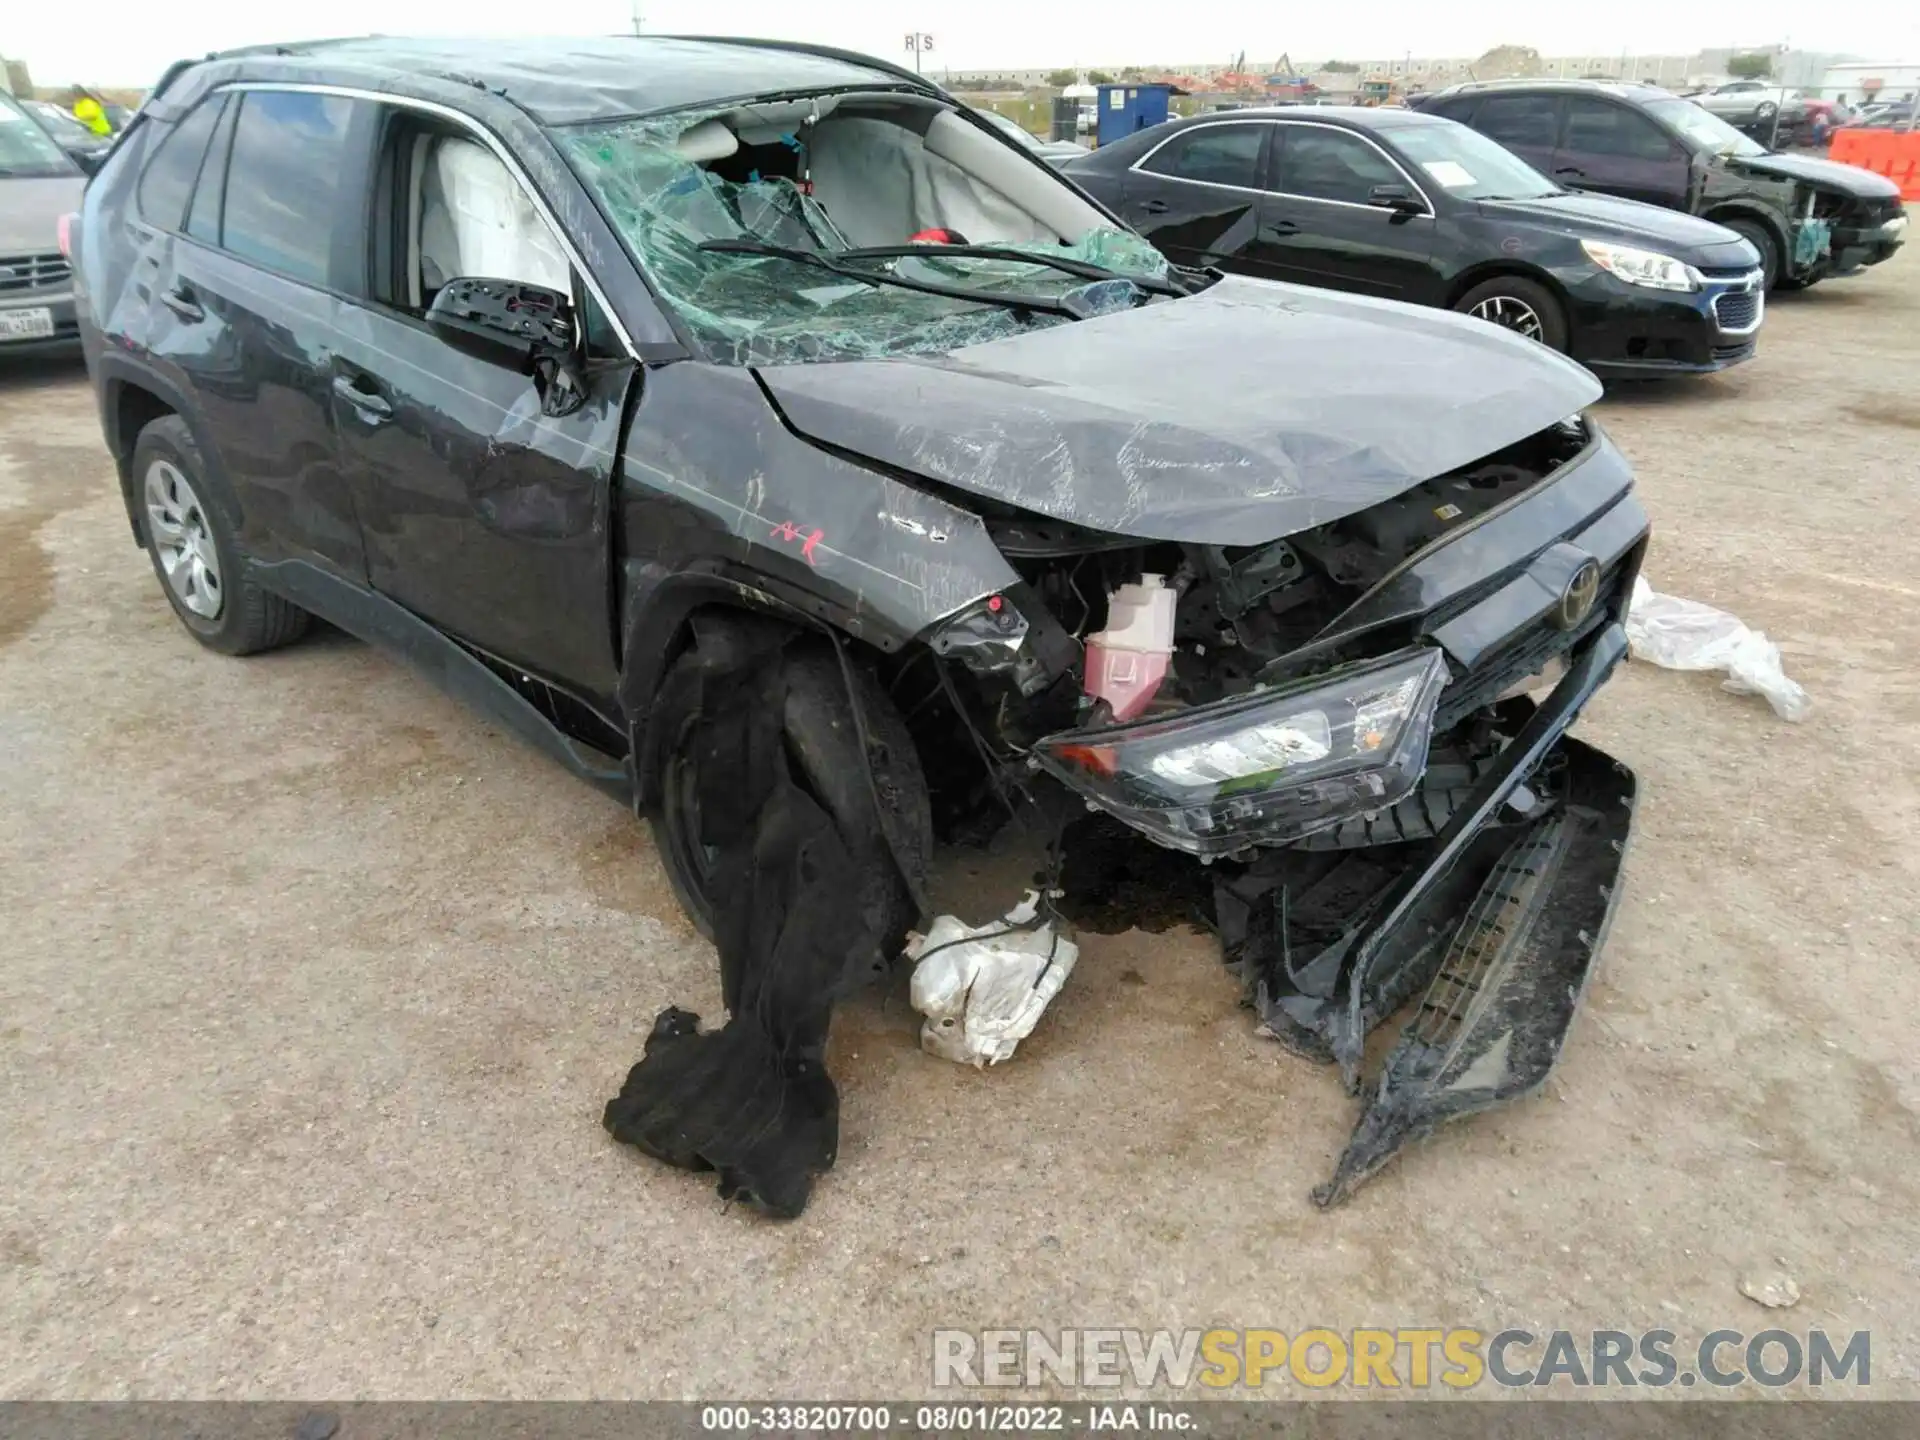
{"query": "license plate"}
(33, 324)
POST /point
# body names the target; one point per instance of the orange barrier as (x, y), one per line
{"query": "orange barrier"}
(1892, 153)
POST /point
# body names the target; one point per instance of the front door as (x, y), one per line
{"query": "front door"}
(1616, 150)
(481, 512)
(1320, 225)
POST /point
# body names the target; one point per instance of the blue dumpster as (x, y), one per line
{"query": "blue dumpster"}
(1127, 108)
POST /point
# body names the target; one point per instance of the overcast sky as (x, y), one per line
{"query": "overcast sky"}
(128, 42)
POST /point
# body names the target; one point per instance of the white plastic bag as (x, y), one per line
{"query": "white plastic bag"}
(1686, 635)
(984, 988)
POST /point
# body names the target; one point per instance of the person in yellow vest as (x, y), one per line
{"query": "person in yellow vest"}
(87, 111)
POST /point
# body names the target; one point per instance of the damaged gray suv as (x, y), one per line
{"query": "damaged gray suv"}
(605, 379)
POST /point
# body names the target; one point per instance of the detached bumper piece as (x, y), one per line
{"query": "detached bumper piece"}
(1499, 918)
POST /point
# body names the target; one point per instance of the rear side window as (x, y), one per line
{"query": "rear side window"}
(1599, 127)
(169, 177)
(283, 178)
(1216, 154)
(203, 216)
(1516, 119)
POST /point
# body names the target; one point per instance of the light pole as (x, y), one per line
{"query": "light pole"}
(920, 44)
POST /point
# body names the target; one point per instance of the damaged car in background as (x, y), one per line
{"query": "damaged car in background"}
(795, 457)
(1810, 218)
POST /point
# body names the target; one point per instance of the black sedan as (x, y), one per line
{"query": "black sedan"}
(1413, 207)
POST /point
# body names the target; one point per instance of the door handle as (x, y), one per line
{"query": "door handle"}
(372, 407)
(180, 300)
(1155, 207)
(1280, 227)
(1569, 170)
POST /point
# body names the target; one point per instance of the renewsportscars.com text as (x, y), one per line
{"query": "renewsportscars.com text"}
(1398, 1359)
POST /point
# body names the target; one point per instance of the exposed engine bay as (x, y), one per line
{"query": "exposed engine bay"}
(1238, 616)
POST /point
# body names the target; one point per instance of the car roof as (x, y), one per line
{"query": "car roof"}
(563, 81)
(1353, 117)
(1624, 89)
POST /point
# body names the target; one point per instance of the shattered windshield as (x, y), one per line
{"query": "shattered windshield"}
(692, 200)
(1703, 129)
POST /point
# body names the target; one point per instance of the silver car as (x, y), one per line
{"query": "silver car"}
(39, 185)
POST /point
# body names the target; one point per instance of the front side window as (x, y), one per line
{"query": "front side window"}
(168, 180)
(1214, 154)
(1324, 164)
(283, 180)
(25, 149)
(1600, 127)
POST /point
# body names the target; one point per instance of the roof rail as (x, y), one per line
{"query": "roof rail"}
(825, 52)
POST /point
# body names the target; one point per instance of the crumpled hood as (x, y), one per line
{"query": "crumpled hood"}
(1233, 417)
(30, 211)
(1848, 179)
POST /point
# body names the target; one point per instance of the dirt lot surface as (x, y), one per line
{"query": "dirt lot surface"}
(313, 984)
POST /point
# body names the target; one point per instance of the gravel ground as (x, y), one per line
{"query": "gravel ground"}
(313, 984)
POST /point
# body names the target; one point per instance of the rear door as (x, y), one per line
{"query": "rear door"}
(1319, 226)
(237, 208)
(1526, 123)
(1196, 195)
(1612, 148)
(482, 512)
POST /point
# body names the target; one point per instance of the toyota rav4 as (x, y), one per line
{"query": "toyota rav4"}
(578, 372)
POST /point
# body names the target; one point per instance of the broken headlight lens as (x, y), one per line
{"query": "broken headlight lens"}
(1642, 267)
(1265, 768)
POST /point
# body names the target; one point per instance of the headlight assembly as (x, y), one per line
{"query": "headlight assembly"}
(1265, 768)
(1642, 267)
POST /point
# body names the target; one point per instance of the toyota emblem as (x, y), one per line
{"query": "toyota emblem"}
(1576, 601)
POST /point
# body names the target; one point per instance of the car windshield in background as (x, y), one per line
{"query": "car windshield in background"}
(26, 150)
(1469, 166)
(1012, 129)
(58, 122)
(1703, 128)
(753, 309)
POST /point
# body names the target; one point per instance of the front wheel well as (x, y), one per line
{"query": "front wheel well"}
(1782, 246)
(131, 408)
(1490, 269)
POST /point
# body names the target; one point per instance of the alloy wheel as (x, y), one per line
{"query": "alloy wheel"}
(177, 521)
(1512, 313)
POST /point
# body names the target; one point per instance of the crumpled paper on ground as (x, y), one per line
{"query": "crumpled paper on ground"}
(1687, 635)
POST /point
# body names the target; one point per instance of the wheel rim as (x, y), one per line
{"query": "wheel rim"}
(680, 792)
(177, 523)
(1510, 313)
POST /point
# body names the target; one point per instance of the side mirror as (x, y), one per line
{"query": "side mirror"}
(503, 321)
(1397, 198)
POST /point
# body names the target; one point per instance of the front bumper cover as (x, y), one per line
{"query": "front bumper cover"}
(1500, 917)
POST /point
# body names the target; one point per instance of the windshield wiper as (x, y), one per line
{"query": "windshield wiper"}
(1085, 269)
(1052, 305)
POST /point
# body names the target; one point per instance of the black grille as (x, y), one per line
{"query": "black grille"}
(1737, 309)
(1726, 354)
(33, 272)
(1525, 653)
